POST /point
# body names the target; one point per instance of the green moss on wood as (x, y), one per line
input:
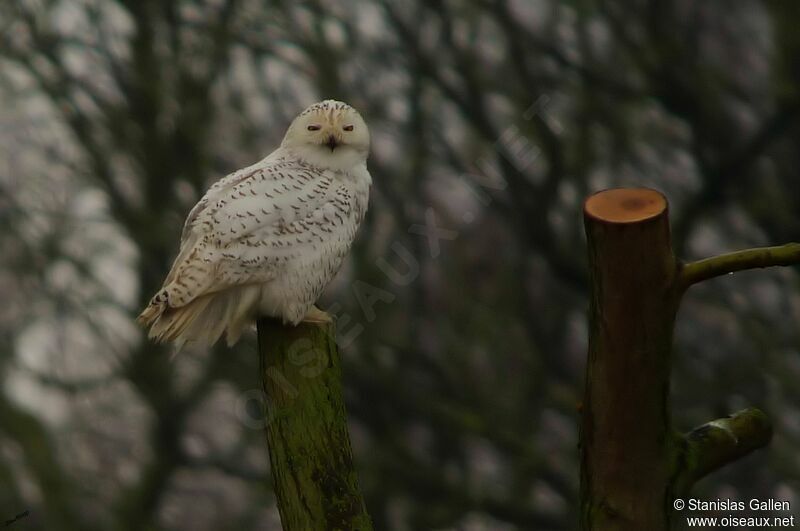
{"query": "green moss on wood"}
(716, 443)
(309, 446)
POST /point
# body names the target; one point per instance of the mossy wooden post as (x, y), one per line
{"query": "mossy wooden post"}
(633, 464)
(310, 455)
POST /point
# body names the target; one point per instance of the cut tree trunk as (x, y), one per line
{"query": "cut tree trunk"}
(633, 464)
(310, 454)
(632, 309)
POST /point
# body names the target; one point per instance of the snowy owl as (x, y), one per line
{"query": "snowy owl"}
(267, 239)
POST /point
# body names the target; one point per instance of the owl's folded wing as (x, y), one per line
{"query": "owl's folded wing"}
(245, 231)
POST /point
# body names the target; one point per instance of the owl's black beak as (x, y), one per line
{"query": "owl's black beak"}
(332, 143)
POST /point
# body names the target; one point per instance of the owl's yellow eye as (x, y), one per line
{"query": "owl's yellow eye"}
(313, 127)
(348, 128)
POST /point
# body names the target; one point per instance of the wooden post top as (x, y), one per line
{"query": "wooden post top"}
(625, 205)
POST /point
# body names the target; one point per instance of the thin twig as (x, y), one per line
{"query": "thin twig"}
(781, 255)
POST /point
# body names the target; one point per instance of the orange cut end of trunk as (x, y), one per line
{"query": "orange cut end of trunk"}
(625, 205)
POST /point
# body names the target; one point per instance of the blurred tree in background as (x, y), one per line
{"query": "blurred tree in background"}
(462, 307)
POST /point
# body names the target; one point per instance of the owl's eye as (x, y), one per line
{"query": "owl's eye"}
(313, 127)
(348, 128)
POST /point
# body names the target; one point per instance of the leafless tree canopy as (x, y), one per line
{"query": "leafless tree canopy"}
(462, 308)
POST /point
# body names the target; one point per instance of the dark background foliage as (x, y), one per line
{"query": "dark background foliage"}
(463, 352)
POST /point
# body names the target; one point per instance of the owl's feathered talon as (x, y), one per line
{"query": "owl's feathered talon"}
(317, 316)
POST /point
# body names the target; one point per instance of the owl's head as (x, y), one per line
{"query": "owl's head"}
(329, 134)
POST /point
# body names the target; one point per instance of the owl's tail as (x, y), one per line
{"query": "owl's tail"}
(203, 320)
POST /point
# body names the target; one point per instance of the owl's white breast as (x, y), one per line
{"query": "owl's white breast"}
(321, 241)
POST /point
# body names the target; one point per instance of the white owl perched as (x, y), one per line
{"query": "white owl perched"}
(267, 239)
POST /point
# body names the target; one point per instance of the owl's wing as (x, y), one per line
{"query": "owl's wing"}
(226, 183)
(188, 236)
(246, 229)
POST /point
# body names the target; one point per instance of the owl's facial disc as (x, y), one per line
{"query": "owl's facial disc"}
(329, 133)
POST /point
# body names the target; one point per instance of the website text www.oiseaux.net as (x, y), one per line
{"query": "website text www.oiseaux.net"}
(742, 514)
